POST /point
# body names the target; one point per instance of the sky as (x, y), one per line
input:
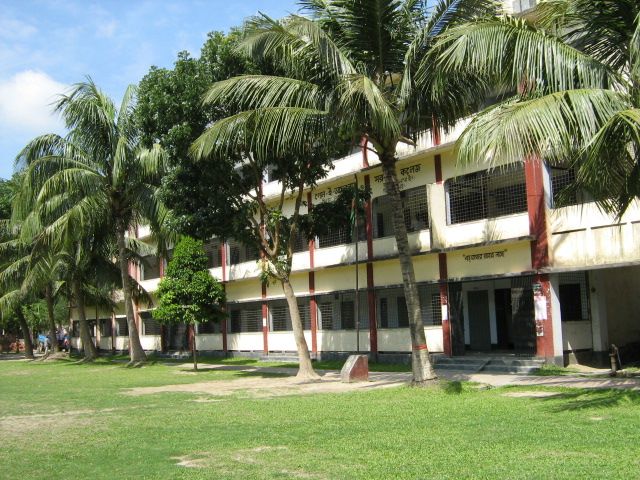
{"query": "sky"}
(48, 45)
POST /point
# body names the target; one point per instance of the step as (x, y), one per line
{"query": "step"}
(279, 358)
(523, 370)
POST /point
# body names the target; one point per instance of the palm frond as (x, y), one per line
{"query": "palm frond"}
(265, 132)
(361, 100)
(610, 167)
(249, 92)
(297, 44)
(513, 52)
(557, 125)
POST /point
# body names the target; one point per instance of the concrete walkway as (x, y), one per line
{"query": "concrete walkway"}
(493, 379)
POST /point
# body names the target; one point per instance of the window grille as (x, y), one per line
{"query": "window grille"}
(105, 327)
(573, 293)
(209, 327)
(279, 317)
(325, 315)
(246, 317)
(300, 243)
(304, 307)
(214, 255)
(383, 312)
(347, 314)
(392, 306)
(150, 326)
(486, 194)
(122, 328)
(416, 216)
(240, 253)
(337, 311)
(335, 236)
(562, 195)
(150, 267)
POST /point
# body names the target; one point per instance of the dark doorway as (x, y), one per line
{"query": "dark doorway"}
(177, 336)
(503, 318)
(479, 329)
(456, 317)
(522, 323)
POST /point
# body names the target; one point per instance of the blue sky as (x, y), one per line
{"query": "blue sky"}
(47, 45)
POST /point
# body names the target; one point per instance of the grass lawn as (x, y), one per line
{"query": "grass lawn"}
(65, 420)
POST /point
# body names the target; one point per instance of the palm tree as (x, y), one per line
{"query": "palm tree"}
(350, 66)
(97, 179)
(575, 65)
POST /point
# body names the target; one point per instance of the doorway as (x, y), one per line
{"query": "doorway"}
(503, 318)
(479, 320)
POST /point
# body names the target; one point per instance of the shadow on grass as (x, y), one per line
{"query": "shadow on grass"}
(586, 399)
(452, 388)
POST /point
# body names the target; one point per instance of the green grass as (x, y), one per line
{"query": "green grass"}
(551, 370)
(453, 432)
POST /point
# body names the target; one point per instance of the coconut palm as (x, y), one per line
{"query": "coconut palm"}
(96, 180)
(351, 65)
(575, 65)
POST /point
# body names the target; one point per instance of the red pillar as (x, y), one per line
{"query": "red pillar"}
(265, 323)
(313, 306)
(442, 263)
(444, 302)
(371, 294)
(223, 259)
(536, 208)
(544, 326)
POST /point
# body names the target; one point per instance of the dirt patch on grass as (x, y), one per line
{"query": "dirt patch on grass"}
(269, 387)
(531, 394)
(266, 458)
(21, 425)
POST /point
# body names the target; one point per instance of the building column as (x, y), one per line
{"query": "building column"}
(444, 304)
(545, 326)
(113, 332)
(371, 293)
(598, 307)
(265, 321)
(223, 326)
(313, 305)
(556, 318)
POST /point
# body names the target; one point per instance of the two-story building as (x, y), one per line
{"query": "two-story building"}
(501, 267)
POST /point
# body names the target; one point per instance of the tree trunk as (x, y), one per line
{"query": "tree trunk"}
(194, 353)
(53, 333)
(420, 362)
(89, 349)
(305, 368)
(136, 353)
(26, 332)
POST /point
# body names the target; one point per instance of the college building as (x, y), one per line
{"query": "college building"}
(502, 266)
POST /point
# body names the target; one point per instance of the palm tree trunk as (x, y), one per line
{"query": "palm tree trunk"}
(420, 362)
(305, 368)
(48, 295)
(26, 332)
(89, 349)
(136, 353)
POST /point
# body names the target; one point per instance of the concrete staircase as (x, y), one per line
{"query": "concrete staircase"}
(280, 357)
(175, 355)
(488, 364)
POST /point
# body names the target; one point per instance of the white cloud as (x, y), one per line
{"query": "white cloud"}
(12, 29)
(26, 103)
(107, 29)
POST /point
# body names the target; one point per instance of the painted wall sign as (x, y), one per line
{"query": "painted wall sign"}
(485, 256)
(329, 192)
(407, 175)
